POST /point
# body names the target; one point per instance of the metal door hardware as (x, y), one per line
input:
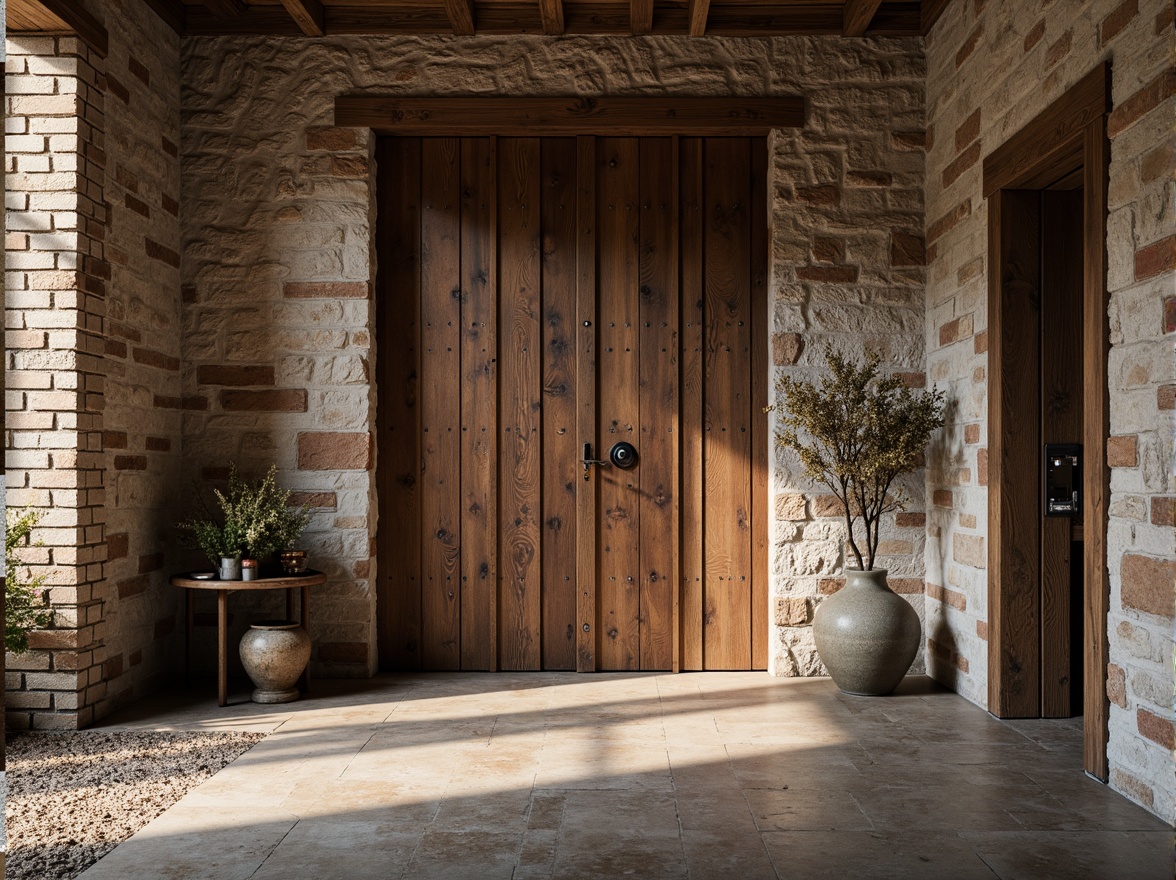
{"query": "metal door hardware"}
(1063, 479)
(623, 455)
(588, 460)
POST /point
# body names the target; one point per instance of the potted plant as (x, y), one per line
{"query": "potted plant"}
(857, 434)
(256, 522)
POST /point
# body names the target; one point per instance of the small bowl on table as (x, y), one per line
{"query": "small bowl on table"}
(294, 562)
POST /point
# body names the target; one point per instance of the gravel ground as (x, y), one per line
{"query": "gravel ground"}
(73, 797)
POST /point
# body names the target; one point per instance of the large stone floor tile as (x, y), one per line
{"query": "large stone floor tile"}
(592, 855)
(464, 855)
(824, 855)
(711, 856)
(371, 849)
(1083, 855)
(806, 809)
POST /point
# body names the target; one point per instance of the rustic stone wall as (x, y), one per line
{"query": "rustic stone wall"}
(278, 263)
(991, 68)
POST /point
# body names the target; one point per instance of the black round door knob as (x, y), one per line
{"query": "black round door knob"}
(623, 455)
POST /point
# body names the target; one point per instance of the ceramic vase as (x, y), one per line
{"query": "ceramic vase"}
(866, 634)
(230, 568)
(274, 653)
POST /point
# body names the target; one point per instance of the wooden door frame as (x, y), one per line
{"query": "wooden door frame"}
(1069, 137)
(586, 119)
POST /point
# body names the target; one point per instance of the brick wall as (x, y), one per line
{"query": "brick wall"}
(278, 264)
(991, 68)
(55, 285)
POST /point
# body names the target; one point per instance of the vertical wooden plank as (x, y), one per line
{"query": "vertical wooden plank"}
(658, 400)
(520, 462)
(440, 403)
(618, 608)
(479, 389)
(726, 443)
(760, 434)
(690, 214)
(676, 504)
(398, 601)
(1014, 660)
(1061, 422)
(1096, 474)
(561, 453)
(586, 326)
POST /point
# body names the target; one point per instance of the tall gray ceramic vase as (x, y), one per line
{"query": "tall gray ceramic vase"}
(866, 634)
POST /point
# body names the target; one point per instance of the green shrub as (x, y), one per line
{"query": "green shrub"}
(24, 607)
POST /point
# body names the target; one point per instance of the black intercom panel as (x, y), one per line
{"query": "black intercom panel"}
(1063, 479)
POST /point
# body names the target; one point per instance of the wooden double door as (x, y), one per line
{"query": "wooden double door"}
(541, 300)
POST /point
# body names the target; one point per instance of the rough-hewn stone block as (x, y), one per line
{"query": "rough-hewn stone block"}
(318, 451)
(1148, 584)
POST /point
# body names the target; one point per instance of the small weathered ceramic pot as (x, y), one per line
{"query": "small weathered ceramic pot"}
(866, 634)
(230, 568)
(274, 653)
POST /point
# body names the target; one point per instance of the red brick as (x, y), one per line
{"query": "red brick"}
(829, 586)
(828, 274)
(960, 164)
(1118, 19)
(943, 498)
(1163, 511)
(869, 178)
(53, 640)
(137, 206)
(1164, 19)
(828, 250)
(157, 444)
(362, 568)
(124, 332)
(969, 46)
(1169, 315)
(949, 220)
(322, 500)
(117, 89)
(157, 251)
(972, 433)
(823, 194)
(164, 401)
(1117, 685)
(912, 379)
(326, 290)
(136, 657)
(982, 629)
(114, 439)
(909, 140)
(1148, 584)
(982, 467)
(194, 403)
(907, 249)
(151, 562)
(130, 462)
(354, 167)
(1059, 49)
(1157, 729)
(328, 137)
(980, 343)
(343, 652)
(112, 668)
(786, 348)
(157, 359)
(133, 586)
(169, 204)
(968, 131)
(905, 520)
(235, 374)
(1034, 36)
(139, 70)
(947, 596)
(1131, 110)
(275, 400)
(169, 147)
(906, 586)
(955, 330)
(331, 451)
(117, 545)
(1166, 397)
(1157, 257)
(1123, 451)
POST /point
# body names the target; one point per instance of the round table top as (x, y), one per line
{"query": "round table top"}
(310, 578)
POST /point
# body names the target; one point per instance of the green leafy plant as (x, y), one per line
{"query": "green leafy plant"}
(25, 608)
(856, 434)
(256, 520)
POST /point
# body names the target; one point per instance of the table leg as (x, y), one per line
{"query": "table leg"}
(305, 621)
(189, 616)
(222, 647)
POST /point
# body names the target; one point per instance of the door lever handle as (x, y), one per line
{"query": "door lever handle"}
(588, 460)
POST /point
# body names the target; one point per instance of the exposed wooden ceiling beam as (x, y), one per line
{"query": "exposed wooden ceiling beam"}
(461, 16)
(487, 115)
(930, 12)
(225, 8)
(857, 15)
(78, 19)
(309, 15)
(698, 12)
(640, 17)
(173, 13)
(551, 13)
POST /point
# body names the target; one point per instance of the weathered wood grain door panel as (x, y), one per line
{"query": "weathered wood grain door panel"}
(484, 300)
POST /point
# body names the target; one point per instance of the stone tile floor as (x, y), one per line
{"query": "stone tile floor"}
(701, 775)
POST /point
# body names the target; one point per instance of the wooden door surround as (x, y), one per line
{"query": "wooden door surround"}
(547, 203)
(1026, 182)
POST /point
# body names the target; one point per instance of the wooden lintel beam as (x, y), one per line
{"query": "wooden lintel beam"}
(698, 12)
(225, 8)
(857, 15)
(309, 16)
(172, 12)
(461, 16)
(551, 13)
(482, 116)
(929, 13)
(641, 17)
(79, 20)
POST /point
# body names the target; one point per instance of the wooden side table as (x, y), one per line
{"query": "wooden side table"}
(290, 584)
